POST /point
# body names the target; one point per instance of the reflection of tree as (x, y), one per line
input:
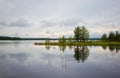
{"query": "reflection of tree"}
(111, 48)
(47, 47)
(62, 48)
(117, 49)
(104, 47)
(114, 48)
(70, 47)
(81, 53)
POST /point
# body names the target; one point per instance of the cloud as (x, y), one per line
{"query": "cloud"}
(42, 18)
(63, 22)
(48, 32)
(3, 23)
(20, 23)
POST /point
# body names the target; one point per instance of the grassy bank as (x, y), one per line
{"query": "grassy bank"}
(90, 43)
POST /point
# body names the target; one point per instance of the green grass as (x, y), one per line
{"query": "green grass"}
(89, 43)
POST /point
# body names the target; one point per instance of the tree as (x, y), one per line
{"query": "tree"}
(104, 37)
(85, 33)
(117, 36)
(81, 33)
(77, 33)
(62, 39)
(112, 36)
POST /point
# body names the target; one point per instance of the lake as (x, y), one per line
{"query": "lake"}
(23, 59)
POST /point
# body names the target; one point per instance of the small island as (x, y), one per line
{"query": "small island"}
(81, 38)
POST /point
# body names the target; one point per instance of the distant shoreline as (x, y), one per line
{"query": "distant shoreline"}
(18, 38)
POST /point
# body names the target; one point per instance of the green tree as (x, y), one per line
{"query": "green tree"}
(104, 37)
(112, 36)
(77, 33)
(117, 36)
(62, 39)
(85, 33)
(81, 33)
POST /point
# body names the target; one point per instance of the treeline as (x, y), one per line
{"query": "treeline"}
(18, 38)
(9, 38)
(112, 36)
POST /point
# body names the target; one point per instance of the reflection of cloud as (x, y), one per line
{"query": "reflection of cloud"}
(21, 57)
(2, 56)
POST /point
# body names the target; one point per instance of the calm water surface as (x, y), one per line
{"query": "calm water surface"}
(22, 59)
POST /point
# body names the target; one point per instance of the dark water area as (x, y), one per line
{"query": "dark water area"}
(23, 59)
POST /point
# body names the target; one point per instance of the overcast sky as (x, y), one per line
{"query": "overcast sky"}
(54, 18)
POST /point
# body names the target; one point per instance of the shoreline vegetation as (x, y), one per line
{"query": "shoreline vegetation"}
(81, 38)
(88, 43)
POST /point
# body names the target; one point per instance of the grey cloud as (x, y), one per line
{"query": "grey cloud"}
(48, 23)
(9, 0)
(72, 22)
(69, 13)
(3, 23)
(17, 35)
(64, 22)
(19, 23)
(114, 26)
(48, 32)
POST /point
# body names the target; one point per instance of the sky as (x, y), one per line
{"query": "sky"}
(54, 18)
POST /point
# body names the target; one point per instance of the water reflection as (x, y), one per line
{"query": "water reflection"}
(104, 47)
(20, 57)
(112, 48)
(47, 47)
(81, 53)
(70, 47)
(62, 48)
(29, 61)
